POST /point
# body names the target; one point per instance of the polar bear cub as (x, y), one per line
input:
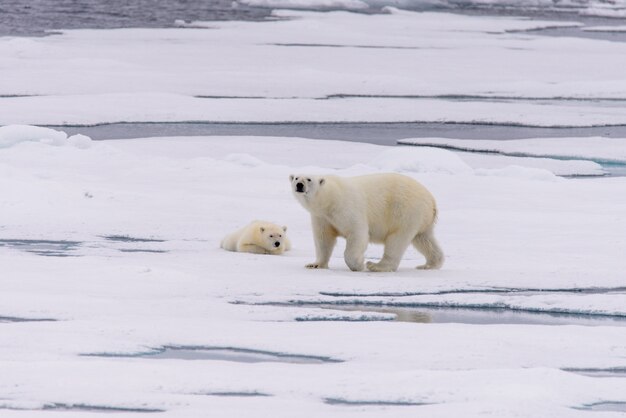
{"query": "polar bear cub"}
(390, 209)
(258, 237)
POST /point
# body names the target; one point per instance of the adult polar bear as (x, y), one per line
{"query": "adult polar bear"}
(389, 208)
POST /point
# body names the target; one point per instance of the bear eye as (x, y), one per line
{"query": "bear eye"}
(308, 179)
(271, 236)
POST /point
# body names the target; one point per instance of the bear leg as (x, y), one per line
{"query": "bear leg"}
(356, 244)
(251, 248)
(395, 247)
(426, 244)
(325, 238)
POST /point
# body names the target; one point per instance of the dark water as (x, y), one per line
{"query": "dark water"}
(609, 406)
(55, 248)
(127, 238)
(606, 372)
(374, 133)
(97, 408)
(240, 355)
(34, 17)
(64, 248)
(486, 316)
(230, 355)
(7, 319)
(79, 407)
(581, 33)
(351, 402)
(236, 394)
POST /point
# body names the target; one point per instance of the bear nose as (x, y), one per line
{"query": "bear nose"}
(299, 187)
(277, 244)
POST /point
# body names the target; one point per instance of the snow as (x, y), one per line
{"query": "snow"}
(603, 11)
(515, 171)
(420, 161)
(401, 66)
(605, 29)
(567, 167)
(505, 230)
(14, 134)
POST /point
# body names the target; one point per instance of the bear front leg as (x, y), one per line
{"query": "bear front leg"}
(325, 238)
(356, 244)
(252, 248)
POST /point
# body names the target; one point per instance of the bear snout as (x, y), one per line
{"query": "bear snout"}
(277, 244)
(300, 187)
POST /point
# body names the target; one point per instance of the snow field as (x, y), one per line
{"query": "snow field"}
(498, 232)
(282, 70)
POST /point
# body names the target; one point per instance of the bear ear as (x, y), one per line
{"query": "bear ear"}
(291, 177)
(262, 229)
(322, 180)
(284, 229)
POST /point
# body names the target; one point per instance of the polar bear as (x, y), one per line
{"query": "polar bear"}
(258, 237)
(388, 208)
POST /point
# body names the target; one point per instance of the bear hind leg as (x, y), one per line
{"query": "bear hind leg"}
(426, 244)
(395, 247)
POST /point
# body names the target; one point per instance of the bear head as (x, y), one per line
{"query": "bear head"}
(305, 186)
(272, 237)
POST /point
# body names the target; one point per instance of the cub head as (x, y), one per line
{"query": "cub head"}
(273, 237)
(305, 186)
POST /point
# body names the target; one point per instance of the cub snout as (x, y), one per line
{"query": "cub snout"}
(300, 187)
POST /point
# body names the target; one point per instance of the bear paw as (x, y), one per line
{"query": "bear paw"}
(426, 267)
(377, 267)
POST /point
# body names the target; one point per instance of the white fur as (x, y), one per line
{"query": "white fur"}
(391, 209)
(258, 237)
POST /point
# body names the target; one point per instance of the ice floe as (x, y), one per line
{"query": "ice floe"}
(599, 149)
(15, 134)
(403, 66)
